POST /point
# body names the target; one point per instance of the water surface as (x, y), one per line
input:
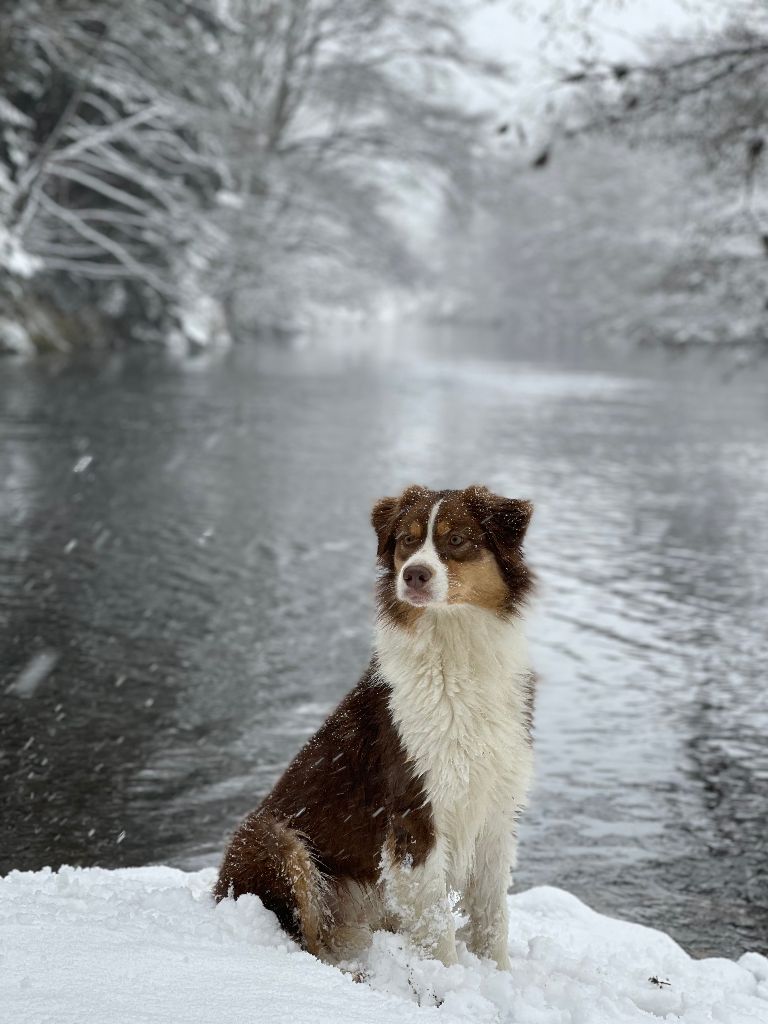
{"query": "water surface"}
(186, 586)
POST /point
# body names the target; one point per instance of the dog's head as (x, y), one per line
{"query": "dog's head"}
(438, 549)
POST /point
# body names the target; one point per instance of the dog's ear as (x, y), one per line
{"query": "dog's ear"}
(505, 519)
(385, 514)
(383, 518)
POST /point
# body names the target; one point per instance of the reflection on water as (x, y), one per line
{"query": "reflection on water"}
(175, 621)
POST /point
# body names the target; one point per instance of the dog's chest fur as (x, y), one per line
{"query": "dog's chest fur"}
(461, 694)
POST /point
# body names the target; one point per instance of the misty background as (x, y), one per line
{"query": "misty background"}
(261, 263)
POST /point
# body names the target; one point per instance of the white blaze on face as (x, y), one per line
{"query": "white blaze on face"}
(427, 555)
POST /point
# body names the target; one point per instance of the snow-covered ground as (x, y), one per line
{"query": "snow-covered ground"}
(90, 946)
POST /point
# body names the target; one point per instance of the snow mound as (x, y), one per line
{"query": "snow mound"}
(147, 945)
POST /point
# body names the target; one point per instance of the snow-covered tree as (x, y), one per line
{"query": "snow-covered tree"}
(109, 178)
(704, 96)
(160, 160)
(337, 110)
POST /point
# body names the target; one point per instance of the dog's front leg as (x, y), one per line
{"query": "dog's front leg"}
(485, 899)
(416, 897)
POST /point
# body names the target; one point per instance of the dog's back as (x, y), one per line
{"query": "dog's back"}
(327, 819)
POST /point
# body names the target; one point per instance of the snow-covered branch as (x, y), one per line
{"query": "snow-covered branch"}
(208, 148)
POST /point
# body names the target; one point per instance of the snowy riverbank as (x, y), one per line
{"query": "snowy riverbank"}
(147, 945)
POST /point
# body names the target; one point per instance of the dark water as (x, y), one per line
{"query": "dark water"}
(187, 569)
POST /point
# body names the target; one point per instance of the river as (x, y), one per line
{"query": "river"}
(186, 590)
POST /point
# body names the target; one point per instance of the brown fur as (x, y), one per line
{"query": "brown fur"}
(477, 581)
(343, 796)
(268, 857)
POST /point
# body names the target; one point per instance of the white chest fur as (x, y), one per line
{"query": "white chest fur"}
(460, 682)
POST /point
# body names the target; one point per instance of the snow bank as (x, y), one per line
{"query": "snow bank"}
(147, 945)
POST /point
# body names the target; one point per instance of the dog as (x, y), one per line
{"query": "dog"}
(411, 790)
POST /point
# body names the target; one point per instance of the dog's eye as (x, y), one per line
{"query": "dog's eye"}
(409, 539)
(456, 539)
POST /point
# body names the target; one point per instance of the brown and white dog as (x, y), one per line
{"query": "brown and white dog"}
(411, 790)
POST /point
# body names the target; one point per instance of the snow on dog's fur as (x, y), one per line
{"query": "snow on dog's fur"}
(411, 789)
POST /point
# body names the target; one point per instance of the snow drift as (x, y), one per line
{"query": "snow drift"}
(148, 945)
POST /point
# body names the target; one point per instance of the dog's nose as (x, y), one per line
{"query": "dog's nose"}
(417, 576)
